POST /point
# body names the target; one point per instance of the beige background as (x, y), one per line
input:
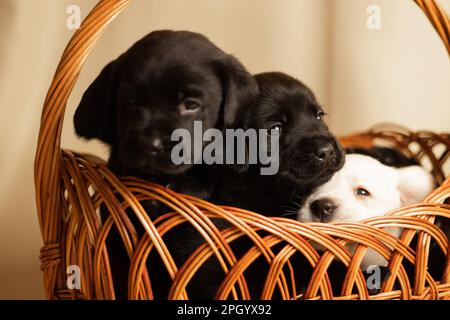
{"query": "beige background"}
(399, 73)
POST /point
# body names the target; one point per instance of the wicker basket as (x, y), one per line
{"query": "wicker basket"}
(70, 187)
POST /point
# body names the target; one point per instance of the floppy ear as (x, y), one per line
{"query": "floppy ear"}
(240, 91)
(95, 116)
(415, 183)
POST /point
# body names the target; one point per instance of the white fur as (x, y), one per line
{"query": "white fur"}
(390, 188)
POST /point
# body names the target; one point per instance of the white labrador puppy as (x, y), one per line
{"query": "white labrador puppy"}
(366, 188)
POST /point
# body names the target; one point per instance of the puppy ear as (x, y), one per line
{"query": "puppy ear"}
(95, 116)
(415, 183)
(240, 91)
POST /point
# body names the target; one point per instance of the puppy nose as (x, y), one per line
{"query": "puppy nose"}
(323, 209)
(155, 146)
(324, 152)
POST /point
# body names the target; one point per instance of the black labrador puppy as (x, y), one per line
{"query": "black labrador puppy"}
(309, 153)
(165, 81)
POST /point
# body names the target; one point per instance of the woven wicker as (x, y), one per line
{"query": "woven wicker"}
(71, 186)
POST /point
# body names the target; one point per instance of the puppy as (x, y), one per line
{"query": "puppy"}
(309, 154)
(366, 188)
(165, 81)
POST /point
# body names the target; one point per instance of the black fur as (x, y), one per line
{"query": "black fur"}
(287, 102)
(165, 81)
(387, 156)
(140, 98)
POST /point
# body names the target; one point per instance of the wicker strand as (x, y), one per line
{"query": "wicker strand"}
(438, 18)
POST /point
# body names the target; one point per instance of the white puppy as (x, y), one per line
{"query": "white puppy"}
(366, 188)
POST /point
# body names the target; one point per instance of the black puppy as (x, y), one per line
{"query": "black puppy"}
(309, 153)
(308, 156)
(164, 82)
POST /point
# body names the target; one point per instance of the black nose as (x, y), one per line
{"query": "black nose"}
(325, 152)
(323, 209)
(155, 146)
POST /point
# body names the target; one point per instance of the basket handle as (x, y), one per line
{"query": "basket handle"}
(47, 163)
(438, 18)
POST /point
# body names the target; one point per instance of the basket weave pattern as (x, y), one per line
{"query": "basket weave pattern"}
(70, 187)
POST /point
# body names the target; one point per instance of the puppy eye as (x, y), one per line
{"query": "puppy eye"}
(189, 105)
(277, 127)
(362, 192)
(320, 115)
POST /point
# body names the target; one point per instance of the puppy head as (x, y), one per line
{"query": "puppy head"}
(365, 188)
(309, 154)
(165, 81)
